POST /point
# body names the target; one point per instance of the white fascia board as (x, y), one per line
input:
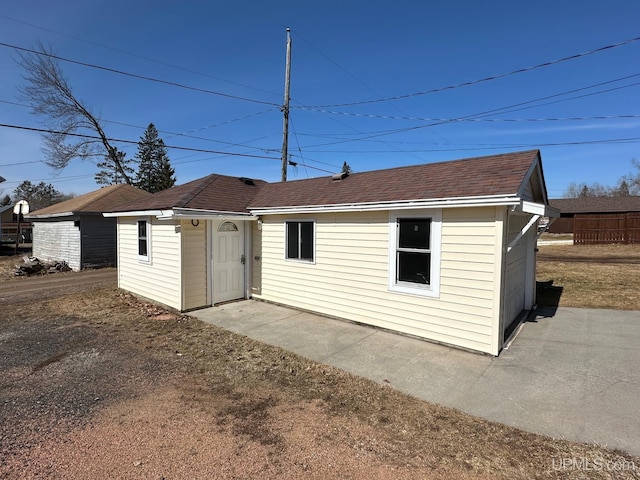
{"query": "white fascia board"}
(136, 213)
(486, 201)
(50, 215)
(196, 214)
(539, 209)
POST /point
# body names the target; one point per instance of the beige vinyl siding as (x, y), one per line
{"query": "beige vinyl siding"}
(194, 264)
(349, 278)
(158, 279)
(55, 240)
(516, 268)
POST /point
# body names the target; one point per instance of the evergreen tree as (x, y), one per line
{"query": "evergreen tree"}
(623, 189)
(165, 175)
(110, 174)
(346, 168)
(154, 168)
(5, 201)
(38, 196)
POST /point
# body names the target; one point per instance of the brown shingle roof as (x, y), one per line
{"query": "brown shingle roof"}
(472, 177)
(597, 204)
(102, 200)
(213, 192)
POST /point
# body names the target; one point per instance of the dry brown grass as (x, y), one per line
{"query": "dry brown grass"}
(252, 391)
(593, 276)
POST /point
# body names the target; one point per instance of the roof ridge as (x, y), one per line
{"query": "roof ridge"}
(203, 184)
(94, 196)
(457, 160)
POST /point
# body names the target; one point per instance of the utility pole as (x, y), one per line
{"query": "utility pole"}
(285, 110)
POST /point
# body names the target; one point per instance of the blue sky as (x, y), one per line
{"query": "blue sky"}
(362, 54)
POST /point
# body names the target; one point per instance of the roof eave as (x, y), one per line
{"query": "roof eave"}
(483, 201)
(184, 213)
(199, 214)
(134, 213)
(50, 215)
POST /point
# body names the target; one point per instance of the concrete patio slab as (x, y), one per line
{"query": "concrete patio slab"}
(573, 375)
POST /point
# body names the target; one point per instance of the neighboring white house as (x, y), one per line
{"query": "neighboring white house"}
(75, 231)
(443, 251)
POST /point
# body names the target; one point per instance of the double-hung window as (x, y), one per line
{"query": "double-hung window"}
(300, 242)
(414, 253)
(143, 240)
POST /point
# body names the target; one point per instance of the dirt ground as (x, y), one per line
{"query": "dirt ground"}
(97, 384)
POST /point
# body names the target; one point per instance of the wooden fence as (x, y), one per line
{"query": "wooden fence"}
(592, 228)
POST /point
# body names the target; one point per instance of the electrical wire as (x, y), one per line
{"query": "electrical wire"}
(118, 140)
(185, 134)
(501, 109)
(134, 55)
(609, 141)
(486, 79)
(141, 77)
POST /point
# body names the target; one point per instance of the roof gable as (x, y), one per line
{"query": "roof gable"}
(98, 201)
(495, 175)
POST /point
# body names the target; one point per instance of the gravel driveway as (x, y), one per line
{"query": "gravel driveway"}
(41, 287)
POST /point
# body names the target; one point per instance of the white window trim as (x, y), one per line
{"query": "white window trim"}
(144, 258)
(298, 260)
(433, 289)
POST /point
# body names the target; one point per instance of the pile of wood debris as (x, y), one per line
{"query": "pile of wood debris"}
(33, 265)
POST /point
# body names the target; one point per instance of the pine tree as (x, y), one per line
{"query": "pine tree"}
(110, 174)
(346, 168)
(154, 168)
(38, 196)
(165, 173)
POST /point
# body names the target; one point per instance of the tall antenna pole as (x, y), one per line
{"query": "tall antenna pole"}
(285, 110)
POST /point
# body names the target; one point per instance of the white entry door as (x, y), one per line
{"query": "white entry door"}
(228, 261)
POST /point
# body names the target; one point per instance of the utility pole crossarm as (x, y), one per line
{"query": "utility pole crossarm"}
(285, 110)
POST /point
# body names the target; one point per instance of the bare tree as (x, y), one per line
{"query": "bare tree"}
(50, 96)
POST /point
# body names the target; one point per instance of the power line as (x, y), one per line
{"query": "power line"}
(118, 140)
(495, 146)
(391, 117)
(141, 77)
(504, 109)
(490, 120)
(485, 79)
(185, 134)
(136, 55)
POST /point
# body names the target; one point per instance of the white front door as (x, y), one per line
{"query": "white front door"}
(228, 261)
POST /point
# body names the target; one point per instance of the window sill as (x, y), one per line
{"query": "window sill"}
(304, 262)
(420, 291)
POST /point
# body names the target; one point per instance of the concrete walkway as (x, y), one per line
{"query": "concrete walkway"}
(573, 375)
